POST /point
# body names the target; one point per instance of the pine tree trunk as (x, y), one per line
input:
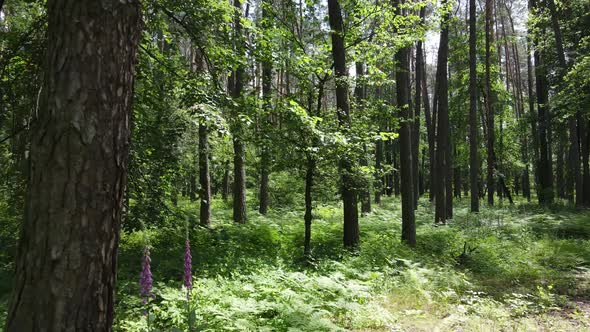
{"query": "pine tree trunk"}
(442, 132)
(473, 155)
(239, 189)
(349, 195)
(66, 263)
(265, 158)
(395, 156)
(585, 149)
(204, 177)
(225, 183)
(416, 127)
(430, 122)
(490, 105)
(359, 94)
(545, 192)
(402, 75)
(309, 179)
(559, 173)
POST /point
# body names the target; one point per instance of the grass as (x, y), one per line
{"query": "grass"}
(528, 271)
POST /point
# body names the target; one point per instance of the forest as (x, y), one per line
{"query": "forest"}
(294, 165)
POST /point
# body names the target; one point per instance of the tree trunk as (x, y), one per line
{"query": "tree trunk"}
(490, 105)
(545, 174)
(67, 257)
(442, 132)
(430, 122)
(359, 94)
(584, 140)
(395, 156)
(204, 177)
(309, 179)
(473, 156)
(225, 183)
(378, 159)
(349, 196)
(559, 174)
(239, 190)
(402, 75)
(416, 127)
(265, 158)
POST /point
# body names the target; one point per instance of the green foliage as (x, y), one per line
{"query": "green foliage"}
(252, 277)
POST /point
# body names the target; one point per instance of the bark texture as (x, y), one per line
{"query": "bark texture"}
(66, 263)
(349, 196)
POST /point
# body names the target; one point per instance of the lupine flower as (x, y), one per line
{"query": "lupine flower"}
(188, 275)
(145, 278)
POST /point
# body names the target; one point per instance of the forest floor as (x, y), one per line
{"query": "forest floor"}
(508, 268)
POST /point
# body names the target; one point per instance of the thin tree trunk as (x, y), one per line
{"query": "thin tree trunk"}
(359, 94)
(65, 272)
(265, 158)
(225, 183)
(239, 190)
(442, 132)
(430, 126)
(473, 156)
(416, 128)
(204, 177)
(490, 98)
(584, 139)
(309, 179)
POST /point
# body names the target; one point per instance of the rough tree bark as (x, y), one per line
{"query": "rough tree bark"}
(349, 196)
(67, 257)
(402, 75)
(443, 123)
(237, 80)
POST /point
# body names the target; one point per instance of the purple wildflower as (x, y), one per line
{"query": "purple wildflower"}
(188, 275)
(145, 278)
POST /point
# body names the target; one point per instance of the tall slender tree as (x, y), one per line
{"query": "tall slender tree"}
(402, 75)
(545, 192)
(349, 195)
(265, 157)
(490, 100)
(237, 85)
(473, 162)
(442, 130)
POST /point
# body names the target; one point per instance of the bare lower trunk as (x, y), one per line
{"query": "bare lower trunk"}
(67, 257)
(204, 177)
(349, 195)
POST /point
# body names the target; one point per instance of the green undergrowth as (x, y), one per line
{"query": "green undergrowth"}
(512, 267)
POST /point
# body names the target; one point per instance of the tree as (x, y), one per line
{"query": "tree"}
(545, 192)
(402, 75)
(473, 162)
(237, 84)
(264, 198)
(349, 195)
(490, 101)
(442, 132)
(65, 280)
